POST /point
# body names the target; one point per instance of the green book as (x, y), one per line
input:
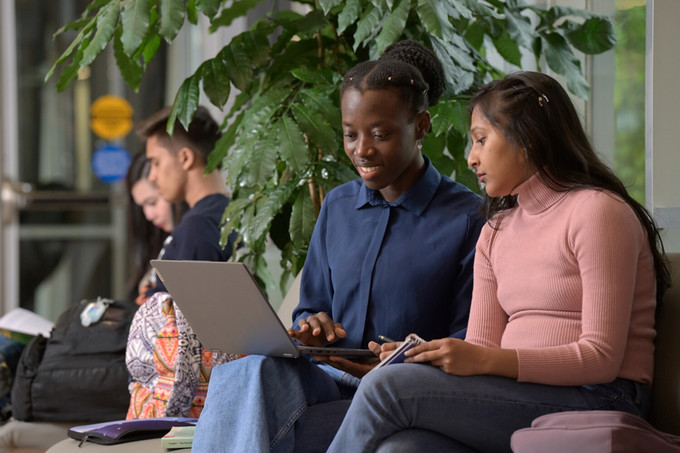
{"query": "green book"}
(178, 437)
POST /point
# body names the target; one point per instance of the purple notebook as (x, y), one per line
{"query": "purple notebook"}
(120, 431)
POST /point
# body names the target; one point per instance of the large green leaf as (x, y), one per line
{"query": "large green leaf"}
(225, 142)
(257, 117)
(70, 73)
(80, 42)
(508, 49)
(519, 28)
(474, 35)
(233, 217)
(238, 8)
(555, 13)
(208, 7)
(433, 147)
(594, 36)
(320, 99)
(270, 207)
(171, 14)
(234, 163)
(456, 144)
(261, 163)
(313, 75)
(107, 19)
(457, 10)
(192, 12)
(561, 59)
(460, 54)
(327, 5)
(433, 16)
(481, 9)
(393, 26)
(321, 134)
(311, 23)
(458, 78)
(130, 69)
(238, 65)
(135, 19)
(302, 218)
(447, 114)
(150, 47)
(186, 103)
(216, 83)
(348, 14)
(293, 148)
(367, 24)
(255, 45)
(466, 177)
(384, 5)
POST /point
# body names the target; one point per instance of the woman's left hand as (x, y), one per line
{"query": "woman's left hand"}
(461, 358)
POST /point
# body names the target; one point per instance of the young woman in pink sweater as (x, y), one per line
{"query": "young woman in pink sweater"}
(568, 272)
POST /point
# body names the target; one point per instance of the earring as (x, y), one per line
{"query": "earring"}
(526, 154)
(419, 144)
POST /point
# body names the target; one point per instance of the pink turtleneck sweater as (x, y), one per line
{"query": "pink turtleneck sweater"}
(568, 282)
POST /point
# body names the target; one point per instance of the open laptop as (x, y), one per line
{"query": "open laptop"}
(228, 311)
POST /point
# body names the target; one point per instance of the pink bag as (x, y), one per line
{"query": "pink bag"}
(592, 432)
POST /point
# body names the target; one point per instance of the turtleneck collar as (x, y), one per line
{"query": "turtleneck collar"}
(534, 196)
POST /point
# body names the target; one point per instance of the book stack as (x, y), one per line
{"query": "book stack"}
(178, 437)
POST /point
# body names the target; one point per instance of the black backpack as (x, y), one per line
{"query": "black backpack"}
(79, 373)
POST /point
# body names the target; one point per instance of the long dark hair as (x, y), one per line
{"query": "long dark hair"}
(144, 238)
(534, 112)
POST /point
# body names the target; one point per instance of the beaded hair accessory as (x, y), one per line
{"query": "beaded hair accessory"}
(541, 98)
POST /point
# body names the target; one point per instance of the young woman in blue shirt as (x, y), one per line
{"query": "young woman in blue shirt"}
(391, 254)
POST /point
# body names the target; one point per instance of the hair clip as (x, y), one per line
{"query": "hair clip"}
(540, 99)
(411, 81)
(350, 79)
(389, 77)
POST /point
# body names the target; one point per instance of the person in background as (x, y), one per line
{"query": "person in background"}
(168, 366)
(391, 253)
(178, 164)
(151, 219)
(567, 275)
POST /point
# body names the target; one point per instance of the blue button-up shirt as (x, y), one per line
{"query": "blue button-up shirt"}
(393, 268)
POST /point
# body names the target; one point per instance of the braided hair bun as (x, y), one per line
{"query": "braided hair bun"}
(425, 60)
(409, 68)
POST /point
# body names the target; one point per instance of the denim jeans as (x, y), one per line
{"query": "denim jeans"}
(414, 407)
(253, 403)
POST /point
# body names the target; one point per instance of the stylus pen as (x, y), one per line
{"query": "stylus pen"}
(385, 339)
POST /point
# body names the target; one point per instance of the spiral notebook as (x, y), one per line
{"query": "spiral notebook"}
(228, 311)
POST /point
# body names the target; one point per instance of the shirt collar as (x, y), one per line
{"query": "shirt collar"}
(414, 200)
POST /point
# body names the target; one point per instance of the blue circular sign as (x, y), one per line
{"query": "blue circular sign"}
(110, 163)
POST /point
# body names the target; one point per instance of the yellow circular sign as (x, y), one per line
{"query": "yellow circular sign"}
(111, 117)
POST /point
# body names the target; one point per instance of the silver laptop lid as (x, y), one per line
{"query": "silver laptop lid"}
(225, 307)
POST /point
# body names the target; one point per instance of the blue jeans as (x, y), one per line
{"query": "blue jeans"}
(414, 407)
(253, 403)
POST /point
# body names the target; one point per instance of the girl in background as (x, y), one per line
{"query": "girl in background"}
(150, 221)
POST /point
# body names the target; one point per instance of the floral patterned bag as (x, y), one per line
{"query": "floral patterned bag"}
(169, 368)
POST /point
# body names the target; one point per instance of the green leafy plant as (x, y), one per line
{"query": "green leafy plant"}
(282, 141)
